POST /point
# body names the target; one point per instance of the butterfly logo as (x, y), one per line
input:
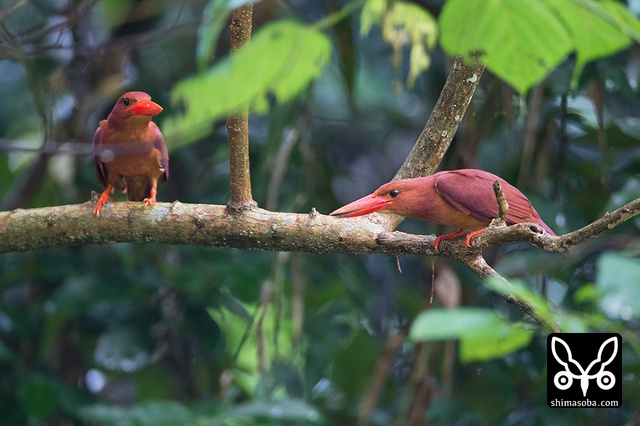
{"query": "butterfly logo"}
(564, 379)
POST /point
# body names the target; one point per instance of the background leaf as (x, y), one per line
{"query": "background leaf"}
(281, 60)
(520, 41)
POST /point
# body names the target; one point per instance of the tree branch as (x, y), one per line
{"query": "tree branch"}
(259, 229)
(238, 121)
(433, 143)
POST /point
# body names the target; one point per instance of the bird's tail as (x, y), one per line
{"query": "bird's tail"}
(138, 188)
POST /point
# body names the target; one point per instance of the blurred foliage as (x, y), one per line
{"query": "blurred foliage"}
(151, 334)
(521, 41)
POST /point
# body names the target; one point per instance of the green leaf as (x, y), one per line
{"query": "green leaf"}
(618, 280)
(483, 335)
(503, 339)
(214, 18)
(403, 23)
(594, 35)
(440, 324)
(39, 395)
(520, 41)
(519, 290)
(278, 63)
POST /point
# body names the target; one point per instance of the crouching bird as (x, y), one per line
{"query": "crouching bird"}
(462, 198)
(129, 151)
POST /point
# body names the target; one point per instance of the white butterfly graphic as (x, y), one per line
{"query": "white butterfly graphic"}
(564, 379)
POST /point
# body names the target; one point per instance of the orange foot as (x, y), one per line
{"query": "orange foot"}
(104, 199)
(450, 236)
(467, 241)
(151, 199)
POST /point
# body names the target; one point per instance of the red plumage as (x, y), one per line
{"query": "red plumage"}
(463, 198)
(129, 152)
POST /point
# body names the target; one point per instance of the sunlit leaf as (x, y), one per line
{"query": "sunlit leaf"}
(242, 342)
(402, 24)
(439, 324)
(482, 334)
(593, 35)
(519, 41)
(280, 61)
(519, 290)
(502, 339)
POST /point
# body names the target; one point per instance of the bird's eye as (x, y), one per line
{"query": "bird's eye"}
(394, 193)
(126, 101)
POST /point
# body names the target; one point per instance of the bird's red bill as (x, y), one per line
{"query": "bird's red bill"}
(146, 107)
(364, 205)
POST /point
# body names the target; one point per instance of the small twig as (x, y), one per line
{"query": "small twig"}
(380, 373)
(265, 296)
(480, 266)
(503, 205)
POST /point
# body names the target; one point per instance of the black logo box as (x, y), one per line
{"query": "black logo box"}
(585, 368)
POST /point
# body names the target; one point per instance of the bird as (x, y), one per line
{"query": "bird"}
(129, 151)
(463, 198)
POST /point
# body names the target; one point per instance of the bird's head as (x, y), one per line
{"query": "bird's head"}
(134, 104)
(400, 196)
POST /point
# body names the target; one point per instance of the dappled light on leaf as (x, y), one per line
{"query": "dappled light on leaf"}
(279, 62)
(403, 24)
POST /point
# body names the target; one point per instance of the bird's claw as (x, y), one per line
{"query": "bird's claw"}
(148, 201)
(104, 199)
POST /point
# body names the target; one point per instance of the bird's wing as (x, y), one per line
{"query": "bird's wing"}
(471, 193)
(160, 145)
(101, 171)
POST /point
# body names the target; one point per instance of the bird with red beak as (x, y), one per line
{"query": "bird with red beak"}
(129, 152)
(462, 198)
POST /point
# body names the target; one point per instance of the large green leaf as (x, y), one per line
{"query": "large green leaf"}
(593, 28)
(520, 41)
(279, 62)
(483, 335)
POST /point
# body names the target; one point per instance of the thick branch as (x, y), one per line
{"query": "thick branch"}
(428, 152)
(255, 228)
(238, 121)
(432, 144)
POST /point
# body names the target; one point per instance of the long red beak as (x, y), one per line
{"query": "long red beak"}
(146, 107)
(364, 205)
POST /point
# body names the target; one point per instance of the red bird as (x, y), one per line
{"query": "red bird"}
(129, 151)
(463, 198)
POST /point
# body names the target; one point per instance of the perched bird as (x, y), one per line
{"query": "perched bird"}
(129, 151)
(463, 198)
